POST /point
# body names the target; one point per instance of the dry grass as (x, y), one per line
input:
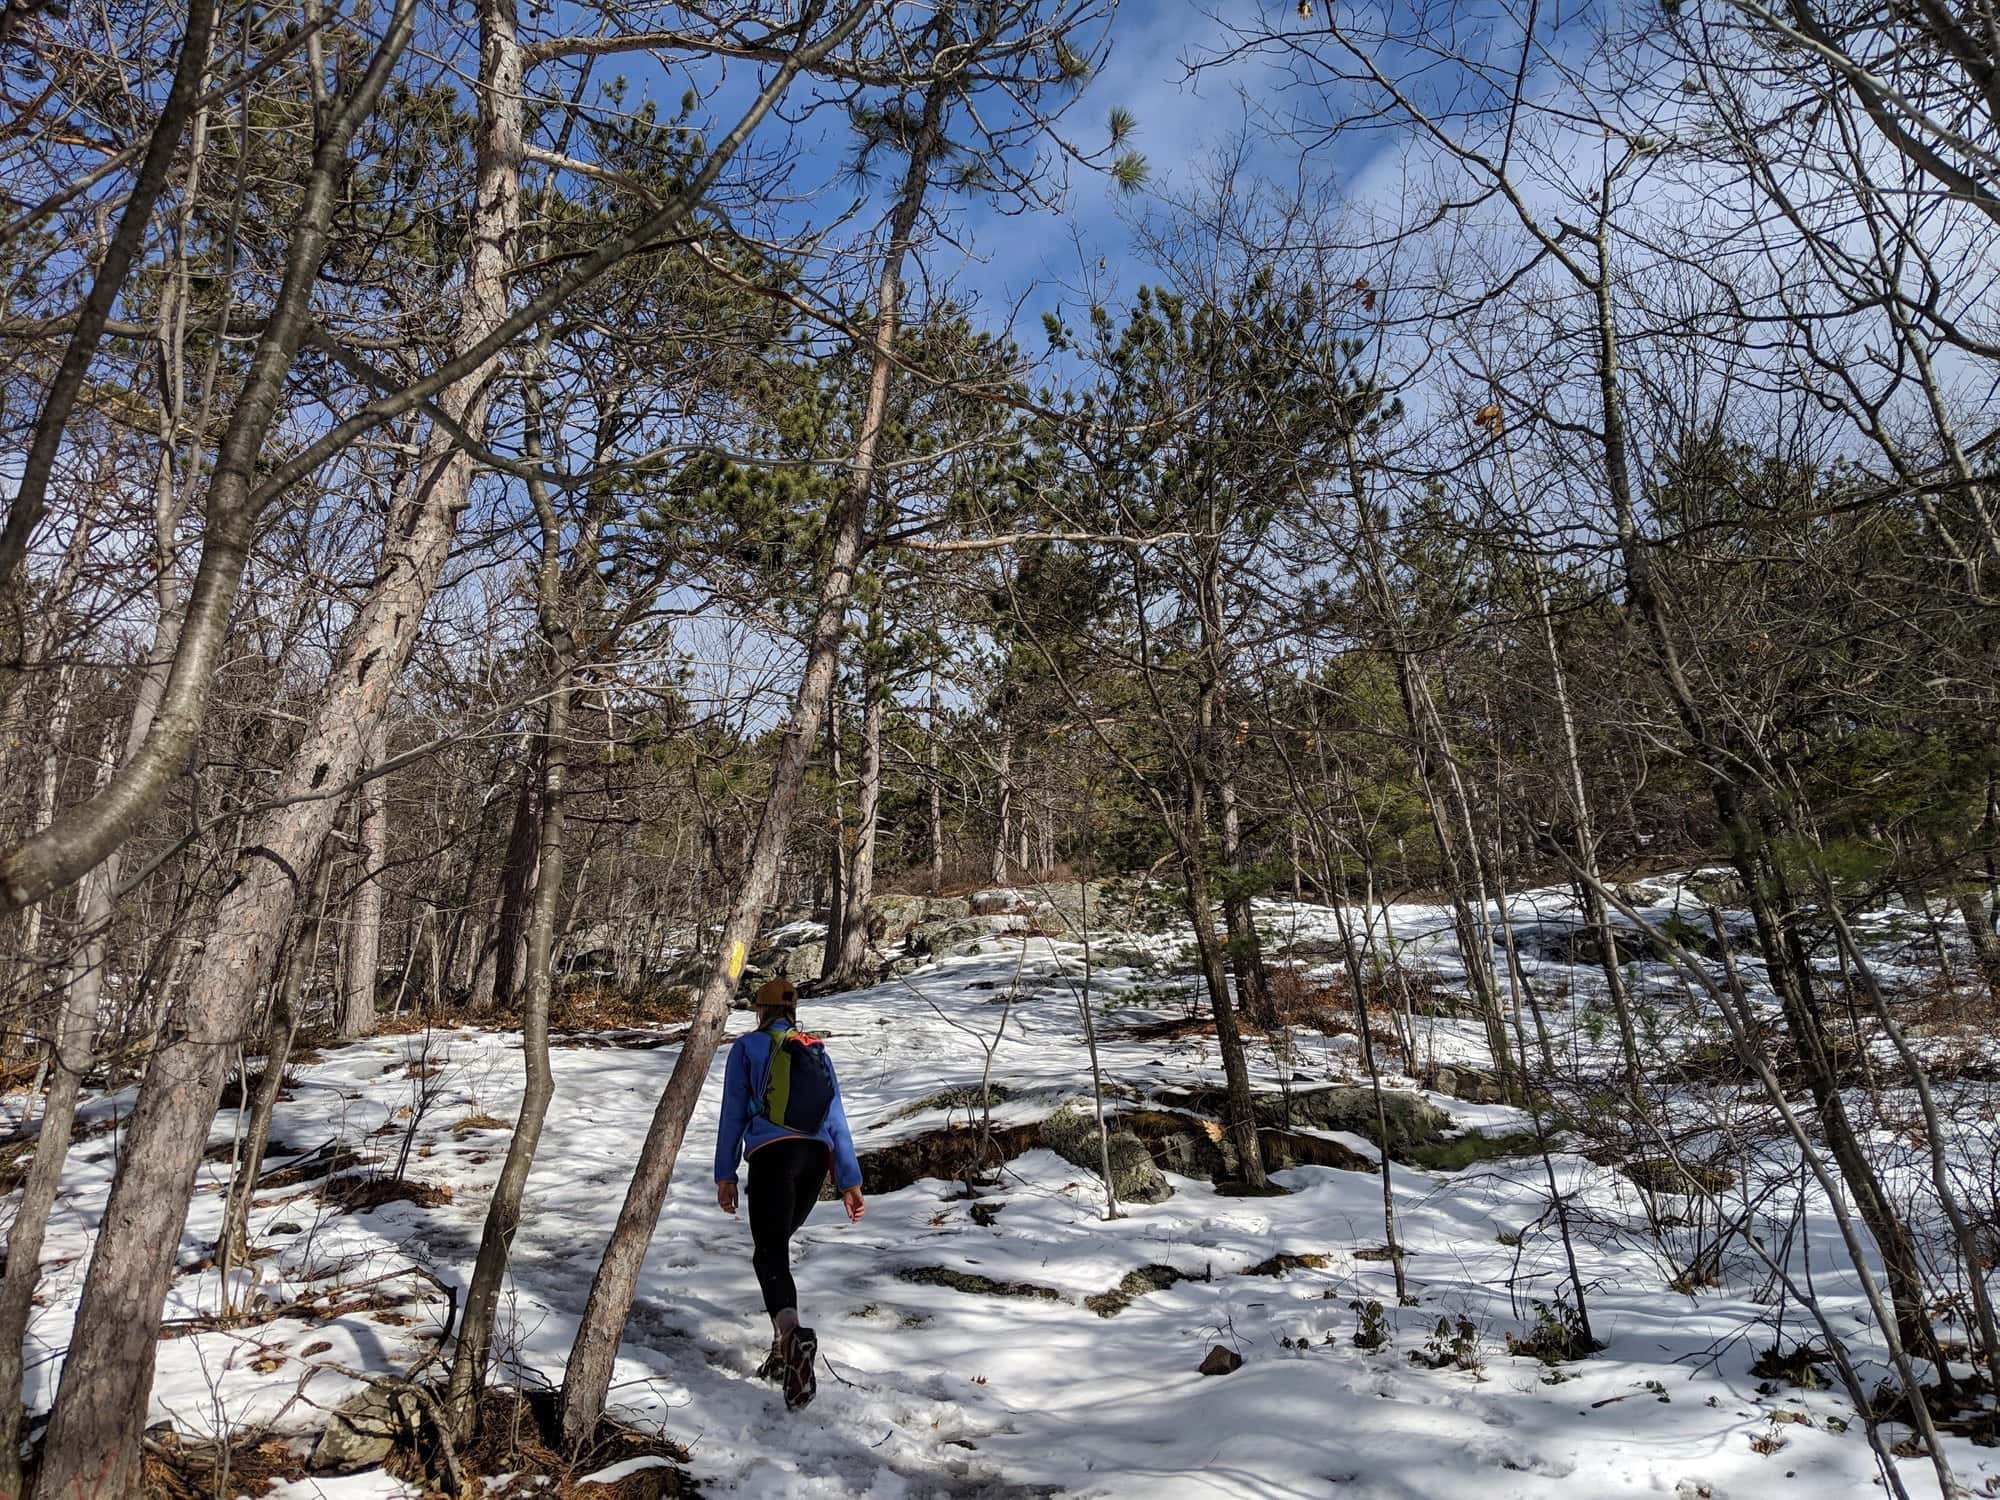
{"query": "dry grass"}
(1299, 1004)
(1296, 1002)
(1167, 1029)
(18, 1072)
(604, 1007)
(360, 1194)
(240, 1088)
(1285, 1262)
(200, 1471)
(318, 1165)
(518, 1437)
(1961, 1004)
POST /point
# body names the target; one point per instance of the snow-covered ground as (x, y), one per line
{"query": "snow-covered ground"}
(942, 1392)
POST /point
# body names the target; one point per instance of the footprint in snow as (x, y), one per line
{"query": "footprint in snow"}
(1529, 1463)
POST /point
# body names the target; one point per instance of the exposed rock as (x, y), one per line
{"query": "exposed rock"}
(1716, 886)
(1411, 1118)
(891, 917)
(1047, 917)
(1126, 956)
(792, 934)
(1221, 1361)
(1134, 1285)
(944, 936)
(1055, 908)
(1134, 1177)
(1456, 1153)
(1145, 1144)
(1183, 1143)
(1071, 1132)
(1296, 1148)
(1641, 892)
(1662, 1174)
(1286, 1262)
(954, 1154)
(1469, 1084)
(360, 1433)
(973, 1282)
(1578, 943)
(1311, 949)
(800, 963)
(963, 1096)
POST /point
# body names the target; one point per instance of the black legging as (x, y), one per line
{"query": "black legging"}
(785, 1179)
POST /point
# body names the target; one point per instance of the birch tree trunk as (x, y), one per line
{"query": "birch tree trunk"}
(852, 967)
(836, 873)
(1972, 911)
(72, 1046)
(1228, 1035)
(503, 1214)
(937, 798)
(43, 803)
(1006, 810)
(70, 1054)
(508, 937)
(364, 912)
(592, 1356)
(1246, 950)
(234, 1246)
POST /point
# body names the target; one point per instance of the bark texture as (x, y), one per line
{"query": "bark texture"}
(92, 1444)
(364, 912)
(588, 1377)
(852, 966)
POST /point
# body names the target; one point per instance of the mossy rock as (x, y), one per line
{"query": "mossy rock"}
(1660, 1174)
(1071, 1132)
(947, 935)
(1134, 1285)
(799, 962)
(1456, 1153)
(964, 1096)
(892, 918)
(1127, 956)
(1469, 1084)
(973, 1283)
(1411, 1118)
(952, 1154)
(1716, 887)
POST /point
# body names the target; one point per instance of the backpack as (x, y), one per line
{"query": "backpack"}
(798, 1090)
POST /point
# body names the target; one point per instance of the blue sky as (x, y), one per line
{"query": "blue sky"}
(1037, 260)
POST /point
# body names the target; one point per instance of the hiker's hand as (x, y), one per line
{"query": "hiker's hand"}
(856, 1206)
(725, 1197)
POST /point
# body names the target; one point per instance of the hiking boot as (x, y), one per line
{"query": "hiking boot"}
(801, 1354)
(773, 1367)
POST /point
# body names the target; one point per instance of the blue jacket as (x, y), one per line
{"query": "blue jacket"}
(745, 1127)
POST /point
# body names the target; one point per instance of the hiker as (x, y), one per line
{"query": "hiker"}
(781, 1107)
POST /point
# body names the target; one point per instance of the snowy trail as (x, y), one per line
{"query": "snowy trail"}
(939, 1392)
